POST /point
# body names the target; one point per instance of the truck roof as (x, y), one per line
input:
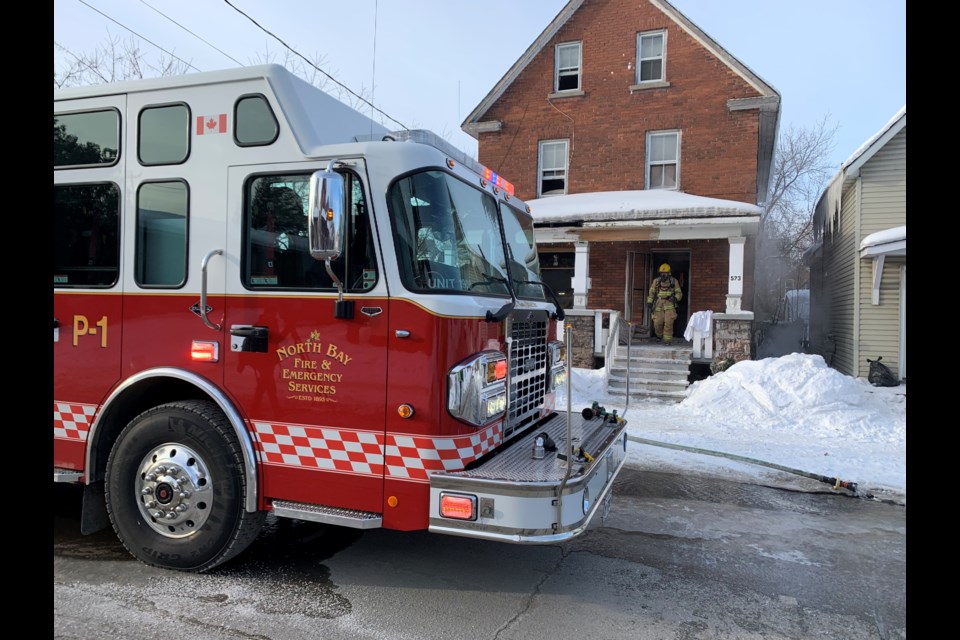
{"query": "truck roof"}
(300, 102)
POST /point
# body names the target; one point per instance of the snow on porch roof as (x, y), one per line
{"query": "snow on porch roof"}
(635, 205)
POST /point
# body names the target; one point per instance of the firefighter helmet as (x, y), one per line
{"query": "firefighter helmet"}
(664, 268)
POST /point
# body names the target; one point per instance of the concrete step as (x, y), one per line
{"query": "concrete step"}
(646, 384)
(651, 370)
(643, 394)
(660, 353)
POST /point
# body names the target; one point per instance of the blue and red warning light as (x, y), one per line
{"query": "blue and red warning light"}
(497, 180)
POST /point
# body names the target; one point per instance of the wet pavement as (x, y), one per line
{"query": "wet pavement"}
(678, 557)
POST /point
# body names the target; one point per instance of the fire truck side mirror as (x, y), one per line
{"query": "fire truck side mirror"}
(326, 224)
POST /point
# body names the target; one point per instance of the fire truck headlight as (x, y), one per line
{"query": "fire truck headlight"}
(559, 377)
(556, 363)
(496, 405)
(476, 388)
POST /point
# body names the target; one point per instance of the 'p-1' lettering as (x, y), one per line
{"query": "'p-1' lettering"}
(81, 327)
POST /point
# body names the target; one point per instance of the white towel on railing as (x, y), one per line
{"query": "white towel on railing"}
(701, 321)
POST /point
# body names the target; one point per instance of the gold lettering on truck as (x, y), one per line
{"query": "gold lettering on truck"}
(306, 369)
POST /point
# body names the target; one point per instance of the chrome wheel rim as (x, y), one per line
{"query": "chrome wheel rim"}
(174, 490)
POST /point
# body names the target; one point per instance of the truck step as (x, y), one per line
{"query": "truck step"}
(328, 515)
(67, 475)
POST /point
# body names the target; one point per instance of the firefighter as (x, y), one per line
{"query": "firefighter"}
(664, 295)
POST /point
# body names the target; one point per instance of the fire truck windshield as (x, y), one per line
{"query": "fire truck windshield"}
(448, 239)
(525, 265)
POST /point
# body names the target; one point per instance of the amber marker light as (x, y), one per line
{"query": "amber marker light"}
(203, 351)
(405, 411)
(392, 501)
(458, 506)
(450, 163)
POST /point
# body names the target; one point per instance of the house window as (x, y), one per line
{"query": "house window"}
(553, 168)
(663, 160)
(651, 56)
(567, 75)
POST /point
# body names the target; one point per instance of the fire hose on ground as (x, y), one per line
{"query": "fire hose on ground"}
(835, 483)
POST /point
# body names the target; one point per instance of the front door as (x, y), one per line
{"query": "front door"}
(638, 280)
(312, 386)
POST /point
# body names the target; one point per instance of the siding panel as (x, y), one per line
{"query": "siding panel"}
(884, 206)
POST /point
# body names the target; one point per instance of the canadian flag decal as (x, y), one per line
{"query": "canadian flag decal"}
(211, 124)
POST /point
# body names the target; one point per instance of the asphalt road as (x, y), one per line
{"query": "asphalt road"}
(678, 558)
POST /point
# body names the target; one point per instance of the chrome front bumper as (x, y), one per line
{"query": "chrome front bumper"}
(524, 500)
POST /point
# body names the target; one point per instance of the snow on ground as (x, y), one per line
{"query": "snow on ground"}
(793, 411)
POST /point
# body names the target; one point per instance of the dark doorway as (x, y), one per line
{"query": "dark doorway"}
(679, 262)
(556, 268)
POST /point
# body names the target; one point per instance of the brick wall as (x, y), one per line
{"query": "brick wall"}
(709, 270)
(607, 126)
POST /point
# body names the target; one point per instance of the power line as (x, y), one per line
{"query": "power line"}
(138, 35)
(192, 33)
(297, 53)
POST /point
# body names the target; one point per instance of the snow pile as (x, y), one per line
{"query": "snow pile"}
(797, 393)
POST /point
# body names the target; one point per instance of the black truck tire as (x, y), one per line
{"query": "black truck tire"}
(175, 488)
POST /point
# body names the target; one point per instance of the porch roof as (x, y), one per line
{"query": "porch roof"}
(645, 207)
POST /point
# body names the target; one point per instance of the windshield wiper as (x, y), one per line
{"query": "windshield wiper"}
(556, 301)
(490, 280)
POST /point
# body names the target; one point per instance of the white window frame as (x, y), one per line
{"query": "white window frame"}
(557, 70)
(565, 169)
(662, 57)
(650, 136)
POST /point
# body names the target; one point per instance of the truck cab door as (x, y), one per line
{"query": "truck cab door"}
(311, 385)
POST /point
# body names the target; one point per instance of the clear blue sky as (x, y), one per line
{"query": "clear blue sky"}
(428, 63)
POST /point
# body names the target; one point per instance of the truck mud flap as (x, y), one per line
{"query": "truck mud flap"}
(514, 497)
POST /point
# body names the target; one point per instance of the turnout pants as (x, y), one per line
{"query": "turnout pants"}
(663, 320)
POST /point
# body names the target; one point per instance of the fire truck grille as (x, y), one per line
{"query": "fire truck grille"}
(528, 372)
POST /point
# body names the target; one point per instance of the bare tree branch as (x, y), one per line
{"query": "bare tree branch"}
(801, 172)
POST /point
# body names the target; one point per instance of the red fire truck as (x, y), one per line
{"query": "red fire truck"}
(264, 301)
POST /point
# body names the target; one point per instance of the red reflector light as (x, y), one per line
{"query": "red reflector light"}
(501, 370)
(458, 507)
(201, 351)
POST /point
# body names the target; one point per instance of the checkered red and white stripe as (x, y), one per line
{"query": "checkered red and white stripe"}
(72, 420)
(398, 456)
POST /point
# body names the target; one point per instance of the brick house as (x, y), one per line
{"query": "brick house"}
(637, 140)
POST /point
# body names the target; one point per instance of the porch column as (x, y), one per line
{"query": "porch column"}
(735, 282)
(581, 276)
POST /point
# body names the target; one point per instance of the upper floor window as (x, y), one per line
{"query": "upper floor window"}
(553, 168)
(567, 72)
(161, 250)
(86, 139)
(86, 235)
(254, 122)
(651, 56)
(164, 134)
(663, 160)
